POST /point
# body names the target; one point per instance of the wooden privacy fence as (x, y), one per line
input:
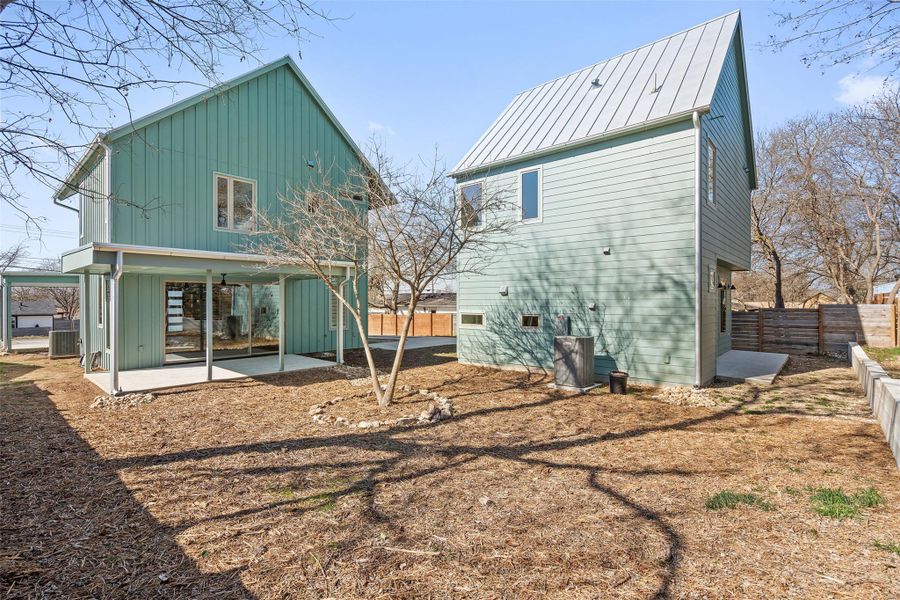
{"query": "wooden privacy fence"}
(423, 324)
(826, 329)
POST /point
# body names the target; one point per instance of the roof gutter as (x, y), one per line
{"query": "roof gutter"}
(188, 253)
(698, 263)
(675, 118)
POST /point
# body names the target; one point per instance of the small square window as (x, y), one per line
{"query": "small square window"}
(471, 208)
(471, 319)
(531, 321)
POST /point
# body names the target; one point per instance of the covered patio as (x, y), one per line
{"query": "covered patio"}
(29, 279)
(146, 380)
(140, 333)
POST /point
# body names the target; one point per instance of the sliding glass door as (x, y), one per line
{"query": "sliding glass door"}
(244, 321)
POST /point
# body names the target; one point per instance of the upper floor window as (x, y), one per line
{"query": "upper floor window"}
(235, 203)
(530, 195)
(710, 172)
(471, 208)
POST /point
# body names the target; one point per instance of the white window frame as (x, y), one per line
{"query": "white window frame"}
(529, 327)
(215, 198)
(333, 315)
(463, 186)
(540, 189)
(470, 325)
(711, 173)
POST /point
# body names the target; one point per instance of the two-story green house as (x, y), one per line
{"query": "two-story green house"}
(631, 180)
(166, 205)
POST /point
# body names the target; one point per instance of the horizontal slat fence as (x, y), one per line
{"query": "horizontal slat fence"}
(437, 324)
(826, 329)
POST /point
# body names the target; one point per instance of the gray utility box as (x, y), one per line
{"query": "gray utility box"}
(63, 343)
(573, 361)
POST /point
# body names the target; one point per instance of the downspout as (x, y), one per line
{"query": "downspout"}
(339, 354)
(107, 187)
(698, 304)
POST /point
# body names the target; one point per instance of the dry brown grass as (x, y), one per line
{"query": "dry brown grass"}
(229, 490)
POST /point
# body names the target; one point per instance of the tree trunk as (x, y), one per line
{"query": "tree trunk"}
(776, 266)
(388, 394)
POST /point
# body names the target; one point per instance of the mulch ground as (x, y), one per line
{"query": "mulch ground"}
(230, 491)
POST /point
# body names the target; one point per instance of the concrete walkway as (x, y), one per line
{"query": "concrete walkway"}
(143, 380)
(413, 343)
(30, 344)
(760, 368)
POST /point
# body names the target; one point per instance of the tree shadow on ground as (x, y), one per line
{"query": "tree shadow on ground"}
(394, 459)
(71, 528)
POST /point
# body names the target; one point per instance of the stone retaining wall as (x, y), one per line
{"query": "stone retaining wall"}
(883, 394)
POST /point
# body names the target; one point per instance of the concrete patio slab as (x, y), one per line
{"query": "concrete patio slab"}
(413, 343)
(145, 380)
(760, 368)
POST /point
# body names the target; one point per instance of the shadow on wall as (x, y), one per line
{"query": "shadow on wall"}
(638, 309)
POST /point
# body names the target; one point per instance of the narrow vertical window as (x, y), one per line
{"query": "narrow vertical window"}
(710, 172)
(242, 203)
(235, 203)
(530, 195)
(723, 310)
(471, 207)
(222, 202)
(333, 306)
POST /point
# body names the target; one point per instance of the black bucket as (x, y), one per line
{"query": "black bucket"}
(618, 382)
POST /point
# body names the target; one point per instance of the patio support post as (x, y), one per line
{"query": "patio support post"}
(114, 325)
(84, 308)
(7, 330)
(281, 322)
(209, 325)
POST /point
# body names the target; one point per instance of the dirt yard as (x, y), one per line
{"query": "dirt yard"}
(230, 490)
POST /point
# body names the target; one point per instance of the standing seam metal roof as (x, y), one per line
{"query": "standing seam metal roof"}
(677, 74)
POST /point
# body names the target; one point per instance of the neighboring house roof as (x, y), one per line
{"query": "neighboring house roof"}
(436, 301)
(32, 309)
(884, 288)
(654, 84)
(69, 185)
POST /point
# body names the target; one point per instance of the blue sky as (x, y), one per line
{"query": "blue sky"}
(426, 75)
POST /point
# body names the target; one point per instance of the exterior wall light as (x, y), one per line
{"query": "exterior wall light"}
(504, 291)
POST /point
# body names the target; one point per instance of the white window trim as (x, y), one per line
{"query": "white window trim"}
(469, 325)
(481, 182)
(712, 155)
(528, 328)
(215, 197)
(540, 188)
(332, 326)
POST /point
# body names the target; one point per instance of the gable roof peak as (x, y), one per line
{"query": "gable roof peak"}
(658, 82)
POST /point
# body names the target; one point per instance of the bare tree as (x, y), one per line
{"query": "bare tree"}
(772, 215)
(837, 32)
(64, 64)
(11, 255)
(413, 225)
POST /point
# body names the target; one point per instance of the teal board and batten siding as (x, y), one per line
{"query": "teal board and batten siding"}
(265, 129)
(725, 227)
(92, 205)
(92, 327)
(634, 195)
(143, 319)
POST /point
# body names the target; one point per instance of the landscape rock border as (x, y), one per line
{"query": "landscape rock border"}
(439, 410)
(112, 402)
